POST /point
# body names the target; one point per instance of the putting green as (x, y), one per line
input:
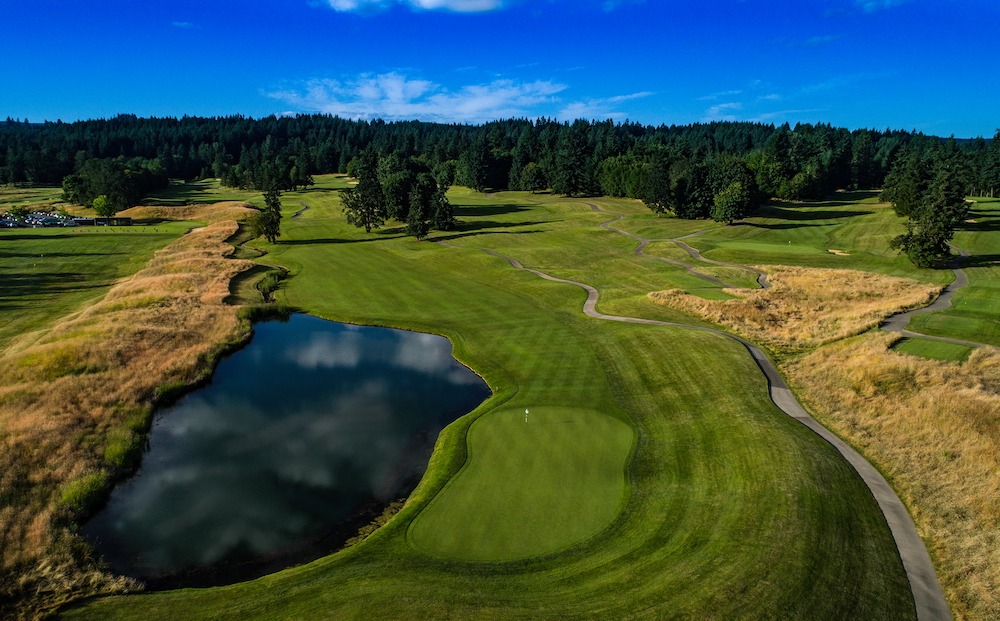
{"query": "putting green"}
(529, 488)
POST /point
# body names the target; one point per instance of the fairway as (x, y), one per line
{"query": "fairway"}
(935, 350)
(975, 311)
(679, 489)
(48, 273)
(534, 484)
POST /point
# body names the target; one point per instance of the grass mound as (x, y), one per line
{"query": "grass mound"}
(215, 212)
(806, 307)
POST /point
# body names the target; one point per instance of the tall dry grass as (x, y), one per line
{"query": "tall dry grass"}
(806, 307)
(216, 212)
(75, 402)
(934, 429)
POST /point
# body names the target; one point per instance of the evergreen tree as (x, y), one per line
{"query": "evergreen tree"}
(364, 204)
(416, 217)
(932, 220)
(906, 184)
(573, 174)
(442, 211)
(473, 169)
(267, 222)
(863, 161)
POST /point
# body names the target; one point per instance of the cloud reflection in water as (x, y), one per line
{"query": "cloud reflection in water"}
(296, 432)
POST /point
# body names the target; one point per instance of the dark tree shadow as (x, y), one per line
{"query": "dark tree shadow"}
(795, 213)
(980, 227)
(980, 260)
(60, 255)
(487, 210)
(17, 286)
(467, 228)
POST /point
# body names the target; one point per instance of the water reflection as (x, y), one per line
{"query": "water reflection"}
(310, 422)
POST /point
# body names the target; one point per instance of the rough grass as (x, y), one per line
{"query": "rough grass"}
(74, 402)
(216, 212)
(806, 307)
(934, 429)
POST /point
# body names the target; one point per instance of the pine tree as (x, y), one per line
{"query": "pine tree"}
(442, 211)
(364, 204)
(267, 222)
(416, 217)
(932, 220)
(574, 173)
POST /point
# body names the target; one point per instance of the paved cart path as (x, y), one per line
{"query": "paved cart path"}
(898, 322)
(644, 243)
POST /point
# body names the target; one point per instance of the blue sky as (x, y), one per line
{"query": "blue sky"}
(928, 65)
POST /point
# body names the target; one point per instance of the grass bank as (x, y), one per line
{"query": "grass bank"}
(76, 393)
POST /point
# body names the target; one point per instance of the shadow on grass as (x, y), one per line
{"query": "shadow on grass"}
(57, 255)
(18, 285)
(807, 212)
(479, 227)
(333, 240)
(16, 237)
(488, 210)
(780, 227)
(980, 260)
(989, 226)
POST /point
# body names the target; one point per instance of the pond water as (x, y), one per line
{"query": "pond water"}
(301, 437)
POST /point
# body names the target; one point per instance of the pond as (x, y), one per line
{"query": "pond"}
(300, 438)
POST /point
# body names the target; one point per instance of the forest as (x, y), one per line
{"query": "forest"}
(722, 170)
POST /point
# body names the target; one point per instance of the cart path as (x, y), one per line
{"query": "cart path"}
(898, 322)
(298, 213)
(927, 593)
(644, 243)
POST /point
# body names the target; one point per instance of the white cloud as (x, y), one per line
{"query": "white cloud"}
(601, 108)
(720, 94)
(870, 6)
(393, 96)
(722, 112)
(458, 6)
(184, 25)
(611, 5)
(786, 115)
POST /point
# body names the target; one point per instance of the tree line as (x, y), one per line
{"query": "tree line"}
(721, 170)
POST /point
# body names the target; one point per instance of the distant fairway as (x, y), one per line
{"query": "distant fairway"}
(529, 488)
(49, 273)
(975, 311)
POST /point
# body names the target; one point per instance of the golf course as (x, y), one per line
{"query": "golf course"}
(636, 468)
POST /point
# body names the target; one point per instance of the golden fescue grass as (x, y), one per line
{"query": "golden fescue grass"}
(216, 212)
(934, 429)
(806, 307)
(75, 400)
